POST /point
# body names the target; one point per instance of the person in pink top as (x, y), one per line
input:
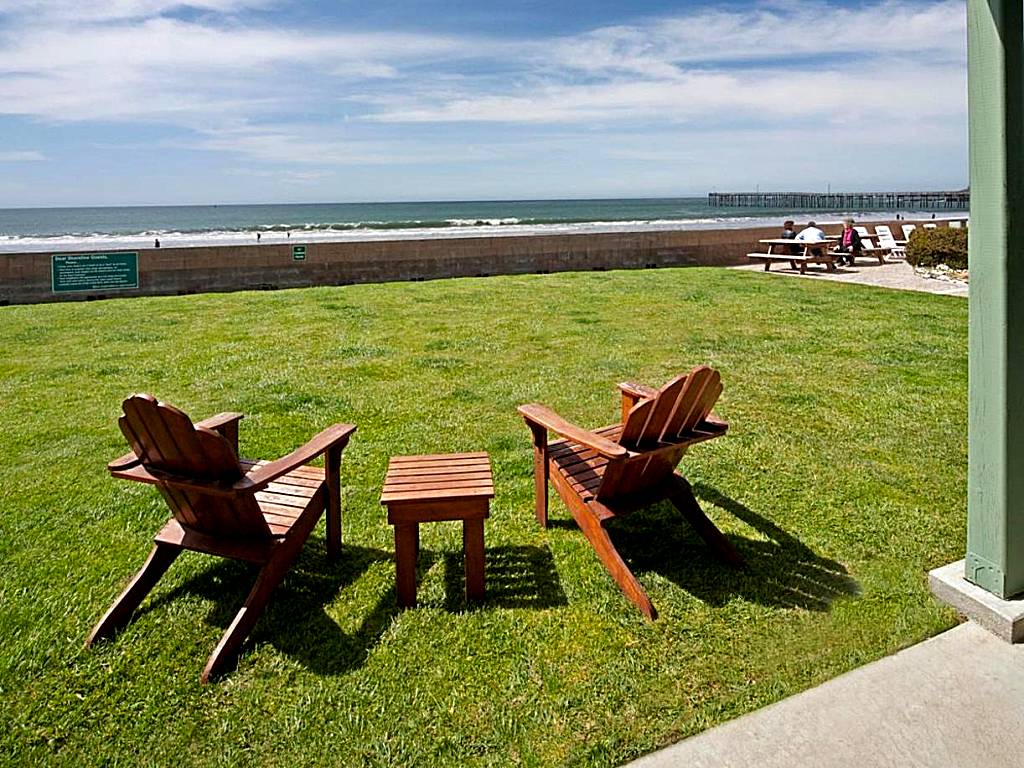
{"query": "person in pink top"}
(849, 244)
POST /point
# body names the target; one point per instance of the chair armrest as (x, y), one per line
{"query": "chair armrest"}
(633, 393)
(539, 415)
(265, 474)
(220, 421)
(121, 463)
(715, 422)
(226, 425)
(636, 391)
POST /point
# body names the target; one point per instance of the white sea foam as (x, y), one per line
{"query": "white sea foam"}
(456, 228)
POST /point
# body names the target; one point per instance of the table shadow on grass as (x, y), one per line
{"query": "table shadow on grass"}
(515, 577)
(295, 621)
(780, 571)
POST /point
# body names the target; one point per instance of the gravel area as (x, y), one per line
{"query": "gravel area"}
(893, 274)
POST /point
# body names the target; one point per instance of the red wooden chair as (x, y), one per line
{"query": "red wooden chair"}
(609, 472)
(257, 511)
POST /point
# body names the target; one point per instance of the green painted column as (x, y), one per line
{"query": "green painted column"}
(995, 487)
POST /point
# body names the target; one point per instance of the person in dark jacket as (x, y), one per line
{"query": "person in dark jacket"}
(849, 244)
(789, 233)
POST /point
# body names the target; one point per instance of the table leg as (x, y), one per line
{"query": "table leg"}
(407, 544)
(473, 551)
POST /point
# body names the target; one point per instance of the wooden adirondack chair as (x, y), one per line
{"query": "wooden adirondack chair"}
(609, 472)
(237, 508)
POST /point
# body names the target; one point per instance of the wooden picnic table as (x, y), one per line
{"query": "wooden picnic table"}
(816, 252)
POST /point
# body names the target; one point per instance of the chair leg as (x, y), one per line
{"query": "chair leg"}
(540, 474)
(681, 495)
(332, 476)
(120, 613)
(612, 560)
(226, 653)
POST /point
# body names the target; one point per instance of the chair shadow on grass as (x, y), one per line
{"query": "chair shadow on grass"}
(295, 621)
(515, 577)
(780, 571)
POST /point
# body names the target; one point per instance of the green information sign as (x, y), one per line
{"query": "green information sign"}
(94, 272)
(299, 252)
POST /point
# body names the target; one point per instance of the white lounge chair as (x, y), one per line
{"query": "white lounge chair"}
(868, 247)
(931, 225)
(886, 240)
(908, 230)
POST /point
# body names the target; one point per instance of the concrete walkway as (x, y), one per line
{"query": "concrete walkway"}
(954, 700)
(893, 274)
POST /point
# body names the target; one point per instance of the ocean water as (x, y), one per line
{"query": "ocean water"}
(137, 227)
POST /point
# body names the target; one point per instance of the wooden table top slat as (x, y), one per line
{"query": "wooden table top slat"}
(429, 486)
(438, 495)
(438, 478)
(449, 469)
(474, 478)
(472, 469)
(444, 458)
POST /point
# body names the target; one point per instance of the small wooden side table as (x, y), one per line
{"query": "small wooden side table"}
(425, 489)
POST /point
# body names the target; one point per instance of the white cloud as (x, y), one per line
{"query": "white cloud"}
(21, 156)
(78, 11)
(867, 62)
(282, 95)
(302, 145)
(769, 32)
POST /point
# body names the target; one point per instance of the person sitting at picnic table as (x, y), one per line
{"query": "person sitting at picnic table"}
(811, 234)
(849, 244)
(789, 233)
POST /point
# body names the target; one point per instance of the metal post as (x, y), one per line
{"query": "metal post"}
(995, 488)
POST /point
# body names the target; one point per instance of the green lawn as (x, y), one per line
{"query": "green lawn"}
(841, 481)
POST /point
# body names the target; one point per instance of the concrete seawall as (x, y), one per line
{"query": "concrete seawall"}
(25, 278)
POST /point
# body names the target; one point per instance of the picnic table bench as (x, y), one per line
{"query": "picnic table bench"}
(812, 253)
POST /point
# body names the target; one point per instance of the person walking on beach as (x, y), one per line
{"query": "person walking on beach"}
(258, 237)
(156, 243)
(849, 244)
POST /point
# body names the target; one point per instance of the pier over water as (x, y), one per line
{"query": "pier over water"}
(959, 200)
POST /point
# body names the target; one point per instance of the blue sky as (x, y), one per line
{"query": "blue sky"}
(119, 102)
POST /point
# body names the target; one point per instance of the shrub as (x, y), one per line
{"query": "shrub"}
(929, 247)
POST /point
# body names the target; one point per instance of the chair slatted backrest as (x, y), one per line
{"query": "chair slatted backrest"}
(703, 391)
(908, 230)
(865, 238)
(677, 408)
(886, 240)
(172, 448)
(633, 427)
(883, 230)
(655, 428)
(666, 404)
